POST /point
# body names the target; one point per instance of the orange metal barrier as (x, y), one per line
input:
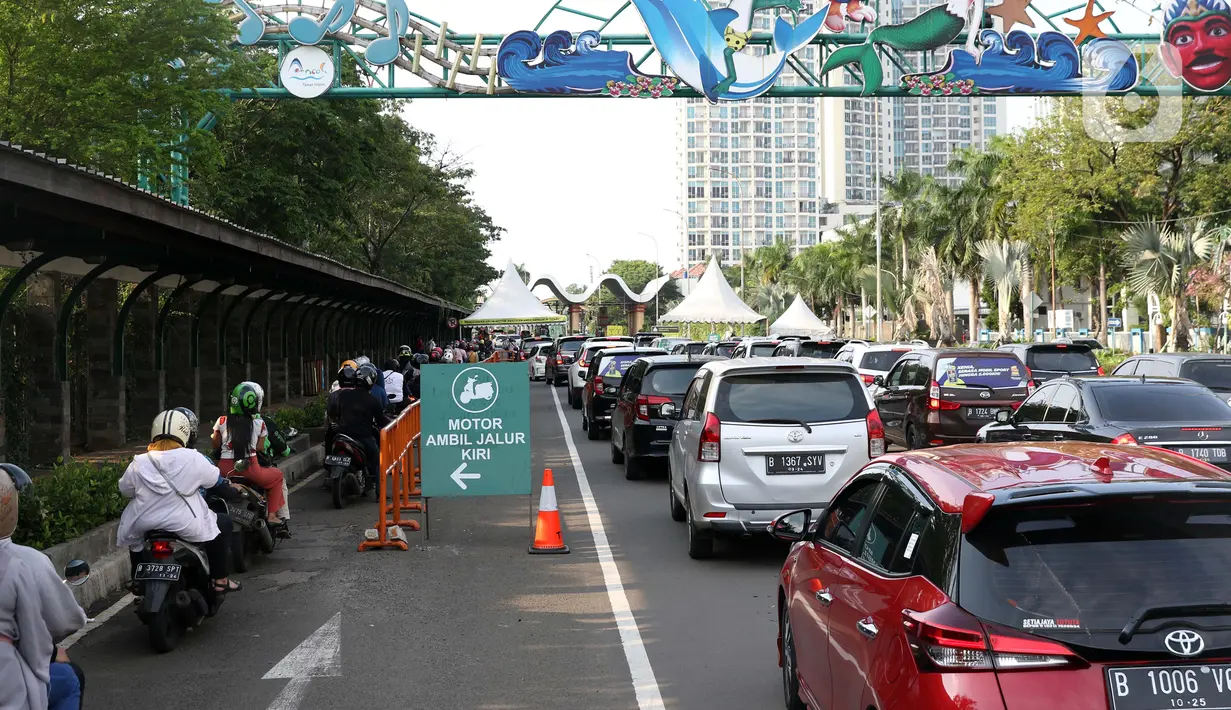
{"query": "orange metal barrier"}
(400, 465)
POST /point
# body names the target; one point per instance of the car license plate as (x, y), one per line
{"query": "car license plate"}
(981, 412)
(154, 571)
(243, 516)
(791, 464)
(337, 460)
(1216, 454)
(1204, 686)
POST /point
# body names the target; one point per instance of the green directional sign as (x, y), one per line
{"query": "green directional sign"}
(476, 430)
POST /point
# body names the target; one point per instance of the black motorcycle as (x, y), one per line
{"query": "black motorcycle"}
(347, 475)
(173, 579)
(251, 532)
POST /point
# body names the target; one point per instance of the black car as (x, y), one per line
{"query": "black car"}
(1048, 361)
(722, 348)
(820, 349)
(693, 348)
(1211, 370)
(563, 354)
(1171, 413)
(642, 422)
(603, 378)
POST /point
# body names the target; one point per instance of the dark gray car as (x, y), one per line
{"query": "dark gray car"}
(1210, 369)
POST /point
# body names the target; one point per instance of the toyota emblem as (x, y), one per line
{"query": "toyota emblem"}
(1184, 642)
(795, 436)
(985, 394)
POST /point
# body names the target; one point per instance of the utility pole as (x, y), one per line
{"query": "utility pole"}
(1051, 231)
(879, 311)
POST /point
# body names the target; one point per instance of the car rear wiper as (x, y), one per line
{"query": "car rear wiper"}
(782, 421)
(1145, 613)
(976, 384)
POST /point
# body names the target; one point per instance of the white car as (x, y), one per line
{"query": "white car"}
(755, 347)
(759, 437)
(577, 371)
(536, 360)
(876, 359)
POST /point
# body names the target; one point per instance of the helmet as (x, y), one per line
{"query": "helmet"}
(448, 355)
(13, 481)
(390, 365)
(348, 376)
(405, 350)
(363, 360)
(435, 356)
(193, 425)
(244, 399)
(352, 363)
(260, 395)
(175, 425)
(368, 374)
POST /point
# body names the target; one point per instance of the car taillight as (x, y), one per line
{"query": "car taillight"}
(1128, 439)
(868, 379)
(1101, 371)
(711, 447)
(160, 549)
(947, 639)
(876, 435)
(1029, 381)
(644, 402)
(598, 382)
(936, 404)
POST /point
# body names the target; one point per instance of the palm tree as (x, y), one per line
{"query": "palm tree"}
(1004, 262)
(772, 301)
(906, 190)
(1159, 258)
(980, 210)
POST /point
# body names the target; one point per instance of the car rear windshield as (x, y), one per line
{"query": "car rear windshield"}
(762, 349)
(571, 346)
(1215, 374)
(725, 350)
(805, 396)
(1061, 359)
(694, 348)
(615, 366)
(1171, 402)
(882, 360)
(821, 351)
(1085, 570)
(669, 380)
(983, 371)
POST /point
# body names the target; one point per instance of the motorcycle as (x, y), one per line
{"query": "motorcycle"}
(471, 391)
(177, 593)
(347, 474)
(251, 533)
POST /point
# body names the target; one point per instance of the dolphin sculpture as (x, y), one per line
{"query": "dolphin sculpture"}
(701, 45)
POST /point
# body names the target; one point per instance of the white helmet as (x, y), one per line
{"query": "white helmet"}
(260, 394)
(171, 424)
(362, 360)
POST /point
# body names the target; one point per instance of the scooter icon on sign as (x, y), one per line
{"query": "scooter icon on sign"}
(472, 391)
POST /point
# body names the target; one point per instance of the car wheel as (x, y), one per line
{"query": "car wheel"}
(700, 542)
(790, 676)
(677, 509)
(617, 456)
(585, 423)
(568, 396)
(915, 438)
(593, 431)
(632, 468)
(577, 399)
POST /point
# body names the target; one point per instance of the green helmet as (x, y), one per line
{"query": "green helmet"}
(244, 399)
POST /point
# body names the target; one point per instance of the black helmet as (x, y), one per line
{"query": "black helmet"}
(348, 376)
(368, 374)
(390, 364)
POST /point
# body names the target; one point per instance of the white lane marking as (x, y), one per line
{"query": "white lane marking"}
(645, 685)
(99, 620)
(307, 480)
(319, 656)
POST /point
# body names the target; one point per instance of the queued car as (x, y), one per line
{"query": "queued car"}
(692, 347)
(1012, 577)
(1210, 369)
(754, 438)
(722, 348)
(536, 360)
(577, 371)
(644, 417)
(603, 380)
(1057, 359)
(755, 347)
(1179, 415)
(934, 397)
(875, 359)
(820, 349)
(563, 354)
(644, 339)
(668, 343)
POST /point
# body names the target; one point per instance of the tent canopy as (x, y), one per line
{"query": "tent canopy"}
(512, 303)
(800, 320)
(712, 301)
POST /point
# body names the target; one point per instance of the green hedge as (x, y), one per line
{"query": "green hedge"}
(309, 416)
(74, 499)
(1109, 359)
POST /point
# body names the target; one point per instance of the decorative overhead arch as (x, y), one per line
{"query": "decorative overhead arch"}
(611, 281)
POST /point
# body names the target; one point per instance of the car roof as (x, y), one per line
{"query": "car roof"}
(1125, 380)
(950, 352)
(723, 366)
(631, 350)
(949, 473)
(664, 360)
(1179, 356)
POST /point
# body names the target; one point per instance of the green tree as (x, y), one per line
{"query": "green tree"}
(638, 274)
(1004, 262)
(980, 209)
(1159, 259)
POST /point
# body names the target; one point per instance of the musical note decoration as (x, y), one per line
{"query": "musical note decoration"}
(252, 28)
(309, 30)
(385, 50)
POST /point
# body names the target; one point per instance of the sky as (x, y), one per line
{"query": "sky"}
(576, 182)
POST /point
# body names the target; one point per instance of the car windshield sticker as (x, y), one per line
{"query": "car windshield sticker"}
(910, 545)
(618, 365)
(982, 372)
(1051, 624)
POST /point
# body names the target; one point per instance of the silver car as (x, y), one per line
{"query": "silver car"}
(759, 437)
(577, 371)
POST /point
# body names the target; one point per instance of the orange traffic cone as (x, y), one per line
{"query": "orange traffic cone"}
(548, 540)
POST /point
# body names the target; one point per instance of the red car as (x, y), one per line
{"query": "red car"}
(1063, 576)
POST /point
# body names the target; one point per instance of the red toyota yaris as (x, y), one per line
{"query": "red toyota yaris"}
(1022, 577)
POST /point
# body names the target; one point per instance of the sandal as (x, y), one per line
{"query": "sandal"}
(230, 586)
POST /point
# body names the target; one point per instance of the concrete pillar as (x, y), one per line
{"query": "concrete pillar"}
(636, 317)
(574, 317)
(45, 402)
(104, 391)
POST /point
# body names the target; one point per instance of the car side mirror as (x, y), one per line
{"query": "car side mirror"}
(76, 573)
(1003, 416)
(879, 380)
(791, 527)
(668, 410)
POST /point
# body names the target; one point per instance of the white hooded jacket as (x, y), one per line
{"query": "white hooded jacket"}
(164, 488)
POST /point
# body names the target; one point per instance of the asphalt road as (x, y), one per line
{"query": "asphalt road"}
(468, 619)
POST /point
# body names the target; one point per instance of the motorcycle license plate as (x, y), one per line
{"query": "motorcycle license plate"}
(243, 516)
(156, 571)
(337, 460)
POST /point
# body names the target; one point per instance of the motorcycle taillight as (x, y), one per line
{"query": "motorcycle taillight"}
(160, 549)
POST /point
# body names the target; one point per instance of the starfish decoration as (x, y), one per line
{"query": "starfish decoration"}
(1012, 12)
(1087, 26)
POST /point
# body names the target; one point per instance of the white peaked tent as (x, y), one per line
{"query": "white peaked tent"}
(712, 301)
(512, 303)
(800, 320)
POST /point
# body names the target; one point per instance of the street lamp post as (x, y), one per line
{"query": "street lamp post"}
(879, 311)
(656, 268)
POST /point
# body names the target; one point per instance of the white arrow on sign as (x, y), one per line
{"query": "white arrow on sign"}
(319, 656)
(460, 478)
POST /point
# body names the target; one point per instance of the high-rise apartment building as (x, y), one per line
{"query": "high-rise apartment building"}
(792, 170)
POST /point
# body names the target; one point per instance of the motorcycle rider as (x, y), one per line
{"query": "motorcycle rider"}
(35, 609)
(375, 382)
(337, 379)
(164, 485)
(394, 384)
(405, 355)
(238, 436)
(360, 415)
